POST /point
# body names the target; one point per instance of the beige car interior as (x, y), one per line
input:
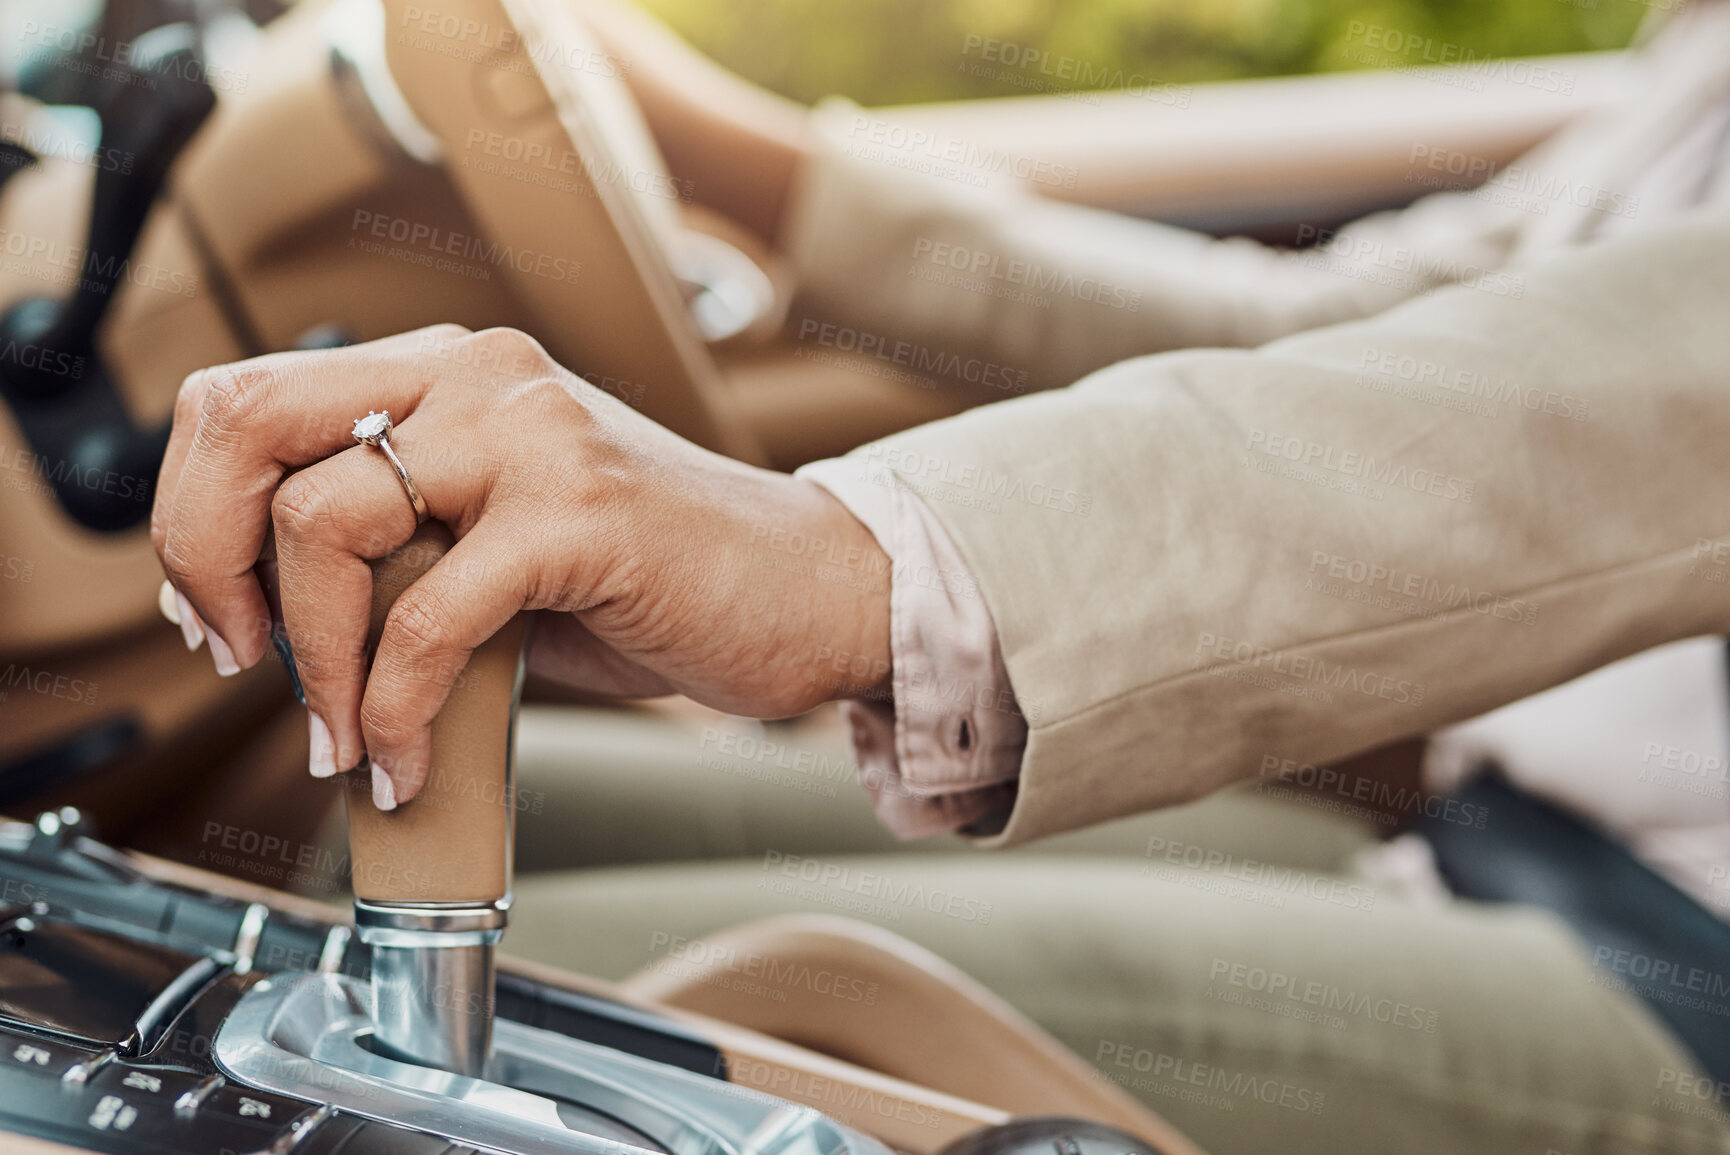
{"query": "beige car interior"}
(355, 158)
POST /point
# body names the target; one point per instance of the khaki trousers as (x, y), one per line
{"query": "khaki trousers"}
(1223, 962)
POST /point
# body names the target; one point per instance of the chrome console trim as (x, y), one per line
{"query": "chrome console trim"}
(190, 1101)
(308, 1035)
(79, 1073)
(335, 949)
(246, 938)
(153, 1021)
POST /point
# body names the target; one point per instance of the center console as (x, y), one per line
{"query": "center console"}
(138, 1015)
(152, 1008)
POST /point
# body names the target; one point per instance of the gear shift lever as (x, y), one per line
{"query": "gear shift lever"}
(432, 878)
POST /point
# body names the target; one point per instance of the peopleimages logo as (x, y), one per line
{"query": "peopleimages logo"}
(1068, 72)
(1419, 50)
(1230, 1086)
(915, 468)
(913, 357)
(1532, 189)
(1691, 1086)
(938, 154)
(777, 974)
(841, 1097)
(27, 467)
(435, 244)
(537, 163)
(1689, 771)
(91, 269)
(43, 141)
(46, 683)
(462, 37)
(872, 886)
(1307, 669)
(84, 52)
(1663, 974)
(1364, 467)
(41, 359)
(1437, 598)
(1374, 260)
(1470, 383)
(1327, 996)
(1373, 791)
(1267, 876)
(1025, 274)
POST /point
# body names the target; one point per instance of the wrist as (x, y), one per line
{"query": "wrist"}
(849, 581)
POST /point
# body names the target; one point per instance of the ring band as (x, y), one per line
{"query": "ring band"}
(374, 429)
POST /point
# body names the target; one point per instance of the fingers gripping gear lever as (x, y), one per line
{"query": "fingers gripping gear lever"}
(432, 878)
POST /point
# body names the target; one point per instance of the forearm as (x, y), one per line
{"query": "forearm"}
(1176, 604)
(737, 145)
(1056, 291)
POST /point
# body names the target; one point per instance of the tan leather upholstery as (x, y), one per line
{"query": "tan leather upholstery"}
(941, 1029)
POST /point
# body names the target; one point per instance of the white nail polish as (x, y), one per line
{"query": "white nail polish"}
(323, 759)
(383, 791)
(190, 629)
(222, 655)
(165, 594)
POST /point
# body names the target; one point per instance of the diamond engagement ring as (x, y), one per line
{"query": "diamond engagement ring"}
(374, 429)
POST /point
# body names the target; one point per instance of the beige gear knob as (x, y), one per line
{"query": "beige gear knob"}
(432, 877)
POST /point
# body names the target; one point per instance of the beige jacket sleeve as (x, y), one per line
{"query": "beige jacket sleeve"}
(1202, 563)
(888, 237)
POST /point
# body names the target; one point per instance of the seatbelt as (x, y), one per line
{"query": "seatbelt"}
(1643, 934)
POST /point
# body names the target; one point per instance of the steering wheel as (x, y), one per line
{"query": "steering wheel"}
(550, 156)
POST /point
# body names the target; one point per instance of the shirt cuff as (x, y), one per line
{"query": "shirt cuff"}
(945, 755)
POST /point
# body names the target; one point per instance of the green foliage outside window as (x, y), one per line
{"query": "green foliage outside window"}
(902, 51)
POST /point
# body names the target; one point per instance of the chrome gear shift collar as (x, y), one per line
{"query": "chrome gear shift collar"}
(432, 979)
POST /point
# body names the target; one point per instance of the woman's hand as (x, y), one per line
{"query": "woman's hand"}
(673, 569)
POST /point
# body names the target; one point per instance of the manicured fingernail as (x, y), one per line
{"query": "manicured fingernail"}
(190, 629)
(383, 792)
(224, 657)
(323, 760)
(165, 594)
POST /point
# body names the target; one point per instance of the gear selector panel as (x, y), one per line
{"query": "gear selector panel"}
(137, 1016)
